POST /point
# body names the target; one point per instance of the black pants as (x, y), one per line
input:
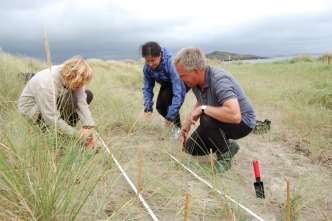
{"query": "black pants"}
(215, 135)
(164, 100)
(67, 105)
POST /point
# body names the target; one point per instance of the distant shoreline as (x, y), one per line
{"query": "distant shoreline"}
(269, 60)
(234, 58)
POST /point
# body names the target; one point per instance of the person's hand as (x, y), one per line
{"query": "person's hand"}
(93, 142)
(183, 137)
(184, 132)
(195, 114)
(88, 138)
(83, 134)
(167, 123)
(147, 116)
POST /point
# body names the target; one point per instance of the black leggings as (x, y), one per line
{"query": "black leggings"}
(164, 100)
(67, 105)
(214, 134)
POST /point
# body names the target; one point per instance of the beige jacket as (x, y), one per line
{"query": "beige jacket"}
(40, 95)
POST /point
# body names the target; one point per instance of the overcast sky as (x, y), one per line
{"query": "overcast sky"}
(115, 29)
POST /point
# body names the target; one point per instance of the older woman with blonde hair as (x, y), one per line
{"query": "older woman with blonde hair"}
(57, 97)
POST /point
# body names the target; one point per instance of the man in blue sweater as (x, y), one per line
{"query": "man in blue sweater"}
(159, 68)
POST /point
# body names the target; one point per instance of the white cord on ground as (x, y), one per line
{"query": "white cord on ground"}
(153, 216)
(215, 189)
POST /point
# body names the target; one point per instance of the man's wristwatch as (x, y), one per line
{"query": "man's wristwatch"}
(203, 107)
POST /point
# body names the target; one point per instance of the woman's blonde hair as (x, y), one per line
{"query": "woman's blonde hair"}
(75, 71)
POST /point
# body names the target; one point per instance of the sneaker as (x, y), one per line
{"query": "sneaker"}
(175, 132)
(224, 160)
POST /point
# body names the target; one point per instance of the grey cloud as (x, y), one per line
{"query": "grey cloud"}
(106, 35)
(279, 36)
(116, 34)
(23, 5)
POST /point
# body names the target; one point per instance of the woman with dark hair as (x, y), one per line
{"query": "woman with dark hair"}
(159, 68)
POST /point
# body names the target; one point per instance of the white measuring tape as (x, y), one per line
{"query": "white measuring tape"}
(153, 216)
(215, 189)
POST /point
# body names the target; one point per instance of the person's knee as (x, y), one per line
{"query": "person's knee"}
(193, 147)
(161, 108)
(208, 122)
(89, 96)
(164, 101)
(158, 106)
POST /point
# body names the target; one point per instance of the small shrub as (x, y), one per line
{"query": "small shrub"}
(326, 58)
(301, 58)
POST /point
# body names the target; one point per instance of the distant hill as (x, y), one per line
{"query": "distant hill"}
(226, 56)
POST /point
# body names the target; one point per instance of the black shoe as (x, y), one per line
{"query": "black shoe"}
(224, 160)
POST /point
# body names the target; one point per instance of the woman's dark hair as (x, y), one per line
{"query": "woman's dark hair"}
(151, 48)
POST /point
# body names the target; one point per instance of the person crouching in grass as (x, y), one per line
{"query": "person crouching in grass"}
(57, 98)
(224, 110)
(159, 68)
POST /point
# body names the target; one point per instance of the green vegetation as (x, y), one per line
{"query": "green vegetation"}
(296, 95)
(34, 183)
(46, 179)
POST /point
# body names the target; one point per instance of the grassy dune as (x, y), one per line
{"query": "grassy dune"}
(295, 93)
(44, 178)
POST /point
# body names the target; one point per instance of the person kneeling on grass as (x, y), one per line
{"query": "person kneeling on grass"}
(224, 110)
(159, 68)
(57, 98)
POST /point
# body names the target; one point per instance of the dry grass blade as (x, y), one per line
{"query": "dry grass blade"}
(289, 204)
(47, 51)
(213, 171)
(140, 172)
(186, 206)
